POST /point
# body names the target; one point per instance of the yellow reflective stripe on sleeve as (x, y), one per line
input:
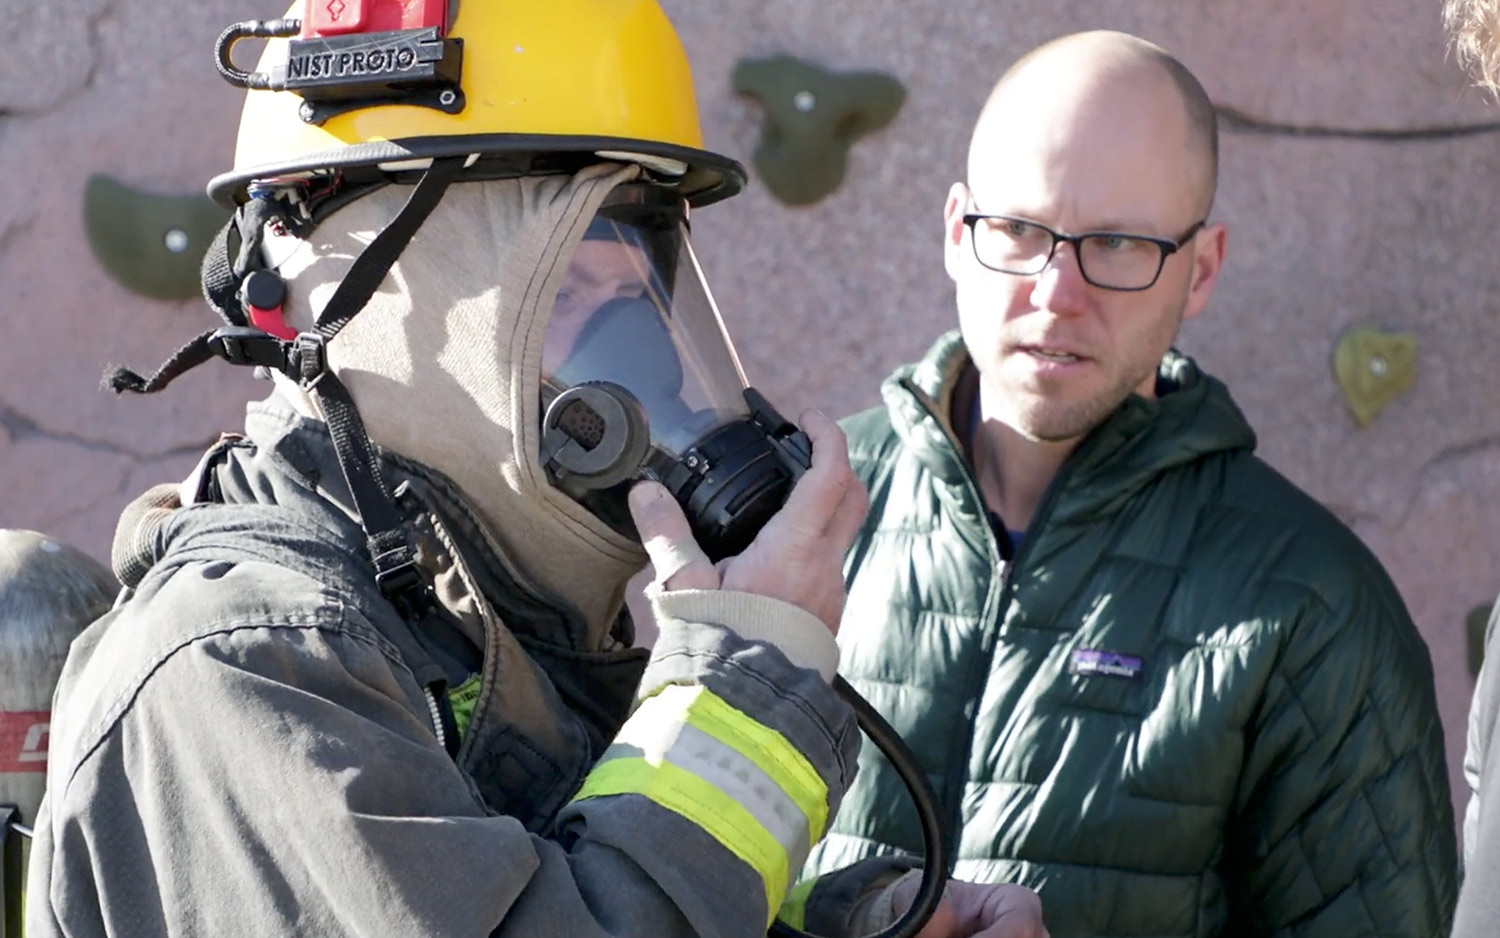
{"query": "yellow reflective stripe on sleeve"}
(794, 909)
(684, 793)
(768, 749)
(728, 770)
(688, 750)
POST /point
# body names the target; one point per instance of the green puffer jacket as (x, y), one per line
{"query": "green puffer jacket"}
(1193, 704)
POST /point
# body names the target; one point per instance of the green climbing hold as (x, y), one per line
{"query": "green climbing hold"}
(811, 119)
(152, 244)
(1374, 368)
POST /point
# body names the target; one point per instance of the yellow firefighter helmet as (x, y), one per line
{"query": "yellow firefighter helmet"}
(519, 86)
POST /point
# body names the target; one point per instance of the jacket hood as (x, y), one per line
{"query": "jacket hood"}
(1193, 416)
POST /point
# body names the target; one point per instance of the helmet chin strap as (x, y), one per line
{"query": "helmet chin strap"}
(304, 359)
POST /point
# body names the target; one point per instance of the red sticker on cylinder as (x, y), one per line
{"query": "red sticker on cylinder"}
(23, 740)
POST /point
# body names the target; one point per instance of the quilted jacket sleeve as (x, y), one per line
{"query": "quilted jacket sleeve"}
(1344, 825)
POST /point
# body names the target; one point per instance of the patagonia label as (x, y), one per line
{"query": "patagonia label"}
(1107, 663)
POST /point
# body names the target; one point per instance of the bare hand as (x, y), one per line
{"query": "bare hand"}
(978, 910)
(798, 557)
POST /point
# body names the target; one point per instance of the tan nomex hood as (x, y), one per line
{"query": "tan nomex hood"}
(443, 362)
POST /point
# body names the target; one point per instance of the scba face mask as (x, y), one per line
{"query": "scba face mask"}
(639, 380)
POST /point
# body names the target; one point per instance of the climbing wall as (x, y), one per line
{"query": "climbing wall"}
(123, 93)
(1356, 183)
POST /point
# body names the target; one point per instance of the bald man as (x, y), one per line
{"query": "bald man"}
(1147, 675)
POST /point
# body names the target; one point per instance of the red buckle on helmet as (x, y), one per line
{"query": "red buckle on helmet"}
(262, 294)
(272, 321)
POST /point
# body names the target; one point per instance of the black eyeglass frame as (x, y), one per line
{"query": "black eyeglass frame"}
(1168, 247)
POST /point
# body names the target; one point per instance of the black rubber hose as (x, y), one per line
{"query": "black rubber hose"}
(935, 862)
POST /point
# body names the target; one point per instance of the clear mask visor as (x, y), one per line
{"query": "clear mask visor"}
(635, 312)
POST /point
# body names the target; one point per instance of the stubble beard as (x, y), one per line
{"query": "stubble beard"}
(1053, 412)
(1039, 414)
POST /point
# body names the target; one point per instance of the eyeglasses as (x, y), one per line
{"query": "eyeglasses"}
(1111, 260)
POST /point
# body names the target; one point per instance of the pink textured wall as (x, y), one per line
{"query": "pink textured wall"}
(1326, 233)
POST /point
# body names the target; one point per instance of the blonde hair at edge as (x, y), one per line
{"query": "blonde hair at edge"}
(1475, 28)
